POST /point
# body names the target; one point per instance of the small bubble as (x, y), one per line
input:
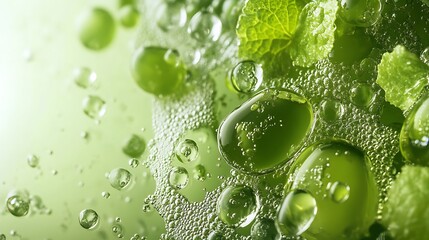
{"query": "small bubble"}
(134, 146)
(200, 172)
(105, 195)
(362, 95)
(331, 110)
(205, 26)
(84, 77)
(88, 218)
(171, 16)
(128, 16)
(339, 192)
(119, 178)
(187, 151)
(246, 76)
(96, 28)
(33, 161)
(178, 177)
(133, 162)
(94, 107)
(18, 205)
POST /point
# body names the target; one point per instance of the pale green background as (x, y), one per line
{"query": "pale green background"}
(41, 113)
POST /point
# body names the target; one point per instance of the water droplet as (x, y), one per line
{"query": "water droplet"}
(331, 110)
(424, 56)
(128, 16)
(134, 147)
(88, 218)
(362, 13)
(205, 26)
(215, 236)
(237, 206)
(246, 76)
(362, 95)
(154, 74)
(414, 137)
(96, 28)
(246, 137)
(119, 178)
(186, 151)
(18, 205)
(133, 162)
(339, 192)
(94, 107)
(200, 172)
(296, 213)
(105, 195)
(84, 77)
(178, 177)
(33, 160)
(171, 15)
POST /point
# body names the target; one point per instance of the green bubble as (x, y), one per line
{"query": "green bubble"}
(84, 77)
(237, 206)
(178, 177)
(246, 76)
(157, 70)
(128, 16)
(18, 205)
(134, 146)
(94, 107)
(414, 137)
(33, 160)
(297, 212)
(96, 28)
(119, 178)
(88, 218)
(216, 236)
(361, 13)
(263, 229)
(259, 139)
(186, 151)
(339, 178)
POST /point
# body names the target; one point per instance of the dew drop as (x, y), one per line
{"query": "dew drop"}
(178, 177)
(88, 218)
(33, 160)
(205, 26)
(119, 178)
(94, 107)
(84, 77)
(18, 205)
(246, 76)
(339, 192)
(187, 151)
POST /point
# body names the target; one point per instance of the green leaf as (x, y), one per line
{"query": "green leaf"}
(266, 27)
(314, 37)
(402, 76)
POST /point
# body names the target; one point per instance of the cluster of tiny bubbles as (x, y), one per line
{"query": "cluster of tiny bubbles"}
(296, 213)
(33, 160)
(205, 26)
(117, 229)
(178, 177)
(186, 151)
(94, 107)
(84, 77)
(246, 76)
(339, 192)
(119, 178)
(133, 162)
(18, 204)
(88, 218)
(171, 15)
(424, 56)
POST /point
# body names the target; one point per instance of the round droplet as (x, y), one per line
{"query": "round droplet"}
(205, 26)
(264, 229)
(339, 192)
(171, 15)
(88, 218)
(361, 13)
(200, 172)
(424, 56)
(33, 161)
(18, 205)
(216, 236)
(316, 169)
(331, 110)
(296, 213)
(84, 77)
(362, 95)
(246, 136)
(133, 162)
(156, 74)
(96, 28)
(246, 76)
(105, 195)
(128, 16)
(178, 177)
(119, 178)
(187, 151)
(94, 107)
(134, 146)
(414, 137)
(237, 206)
